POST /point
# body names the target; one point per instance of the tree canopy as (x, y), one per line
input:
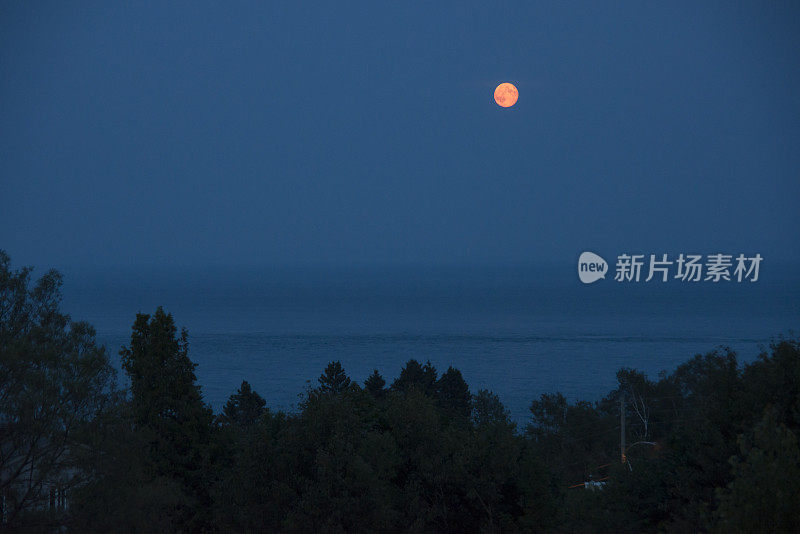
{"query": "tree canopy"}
(710, 446)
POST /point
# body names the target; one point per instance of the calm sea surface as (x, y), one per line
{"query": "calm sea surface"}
(518, 331)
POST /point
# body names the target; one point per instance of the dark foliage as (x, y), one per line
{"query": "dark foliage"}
(55, 383)
(374, 384)
(244, 408)
(712, 446)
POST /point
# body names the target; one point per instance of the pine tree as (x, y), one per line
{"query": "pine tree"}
(334, 379)
(417, 377)
(168, 409)
(374, 384)
(244, 407)
(453, 394)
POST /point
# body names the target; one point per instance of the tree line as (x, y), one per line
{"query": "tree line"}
(711, 446)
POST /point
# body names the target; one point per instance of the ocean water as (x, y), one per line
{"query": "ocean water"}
(519, 331)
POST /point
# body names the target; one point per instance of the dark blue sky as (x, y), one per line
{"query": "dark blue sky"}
(205, 133)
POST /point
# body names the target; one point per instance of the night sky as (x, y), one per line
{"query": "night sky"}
(335, 132)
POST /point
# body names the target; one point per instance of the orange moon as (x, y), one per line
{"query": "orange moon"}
(506, 95)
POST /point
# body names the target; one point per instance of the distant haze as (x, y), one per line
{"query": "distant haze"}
(205, 133)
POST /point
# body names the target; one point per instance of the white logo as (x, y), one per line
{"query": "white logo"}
(591, 267)
(688, 268)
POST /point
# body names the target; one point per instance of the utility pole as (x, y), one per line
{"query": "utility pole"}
(622, 427)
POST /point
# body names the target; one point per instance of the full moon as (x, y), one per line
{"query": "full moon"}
(506, 95)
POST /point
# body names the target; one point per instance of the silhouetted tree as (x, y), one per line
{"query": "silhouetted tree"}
(417, 377)
(168, 409)
(244, 407)
(453, 394)
(54, 383)
(334, 379)
(488, 410)
(374, 384)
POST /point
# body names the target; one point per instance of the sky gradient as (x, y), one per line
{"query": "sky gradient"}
(202, 133)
